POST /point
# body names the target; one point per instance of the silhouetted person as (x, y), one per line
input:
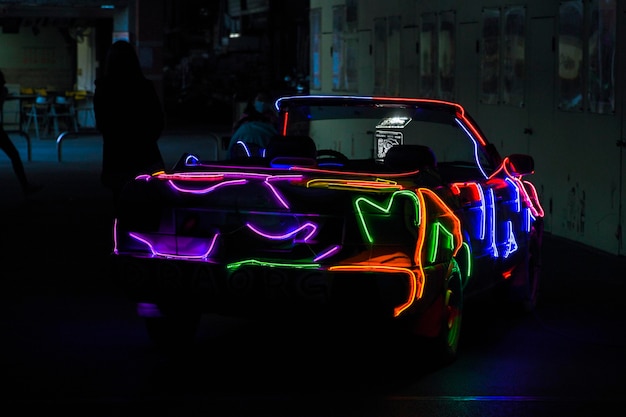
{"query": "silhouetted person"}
(256, 126)
(130, 118)
(9, 147)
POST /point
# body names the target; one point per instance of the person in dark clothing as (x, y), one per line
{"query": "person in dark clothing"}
(130, 118)
(9, 148)
(256, 126)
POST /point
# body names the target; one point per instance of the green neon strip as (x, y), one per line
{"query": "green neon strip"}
(256, 262)
(469, 260)
(364, 200)
(439, 229)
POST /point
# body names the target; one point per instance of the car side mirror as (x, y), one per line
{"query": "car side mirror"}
(520, 164)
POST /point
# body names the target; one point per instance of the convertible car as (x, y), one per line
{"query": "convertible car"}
(392, 210)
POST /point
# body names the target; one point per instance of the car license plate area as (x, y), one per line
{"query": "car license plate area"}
(215, 283)
(265, 288)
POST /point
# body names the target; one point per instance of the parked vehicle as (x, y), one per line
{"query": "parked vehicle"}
(391, 210)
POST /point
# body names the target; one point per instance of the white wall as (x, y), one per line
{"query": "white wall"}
(580, 170)
(41, 60)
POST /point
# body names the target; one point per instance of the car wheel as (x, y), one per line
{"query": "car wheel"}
(173, 332)
(447, 341)
(438, 329)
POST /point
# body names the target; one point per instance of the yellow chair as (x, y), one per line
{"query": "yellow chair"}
(26, 103)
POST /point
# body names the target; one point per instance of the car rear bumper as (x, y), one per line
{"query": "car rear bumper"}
(256, 288)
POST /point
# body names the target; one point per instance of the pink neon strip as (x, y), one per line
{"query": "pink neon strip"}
(531, 201)
(289, 234)
(205, 190)
(155, 252)
(327, 253)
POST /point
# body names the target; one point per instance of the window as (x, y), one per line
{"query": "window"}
(446, 55)
(503, 56)
(387, 41)
(380, 55)
(393, 55)
(570, 56)
(344, 51)
(514, 56)
(427, 55)
(437, 55)
(315, 24)
(586, 74)
(602, 57)
(490, 57)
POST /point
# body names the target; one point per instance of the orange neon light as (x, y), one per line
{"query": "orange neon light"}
(190, 176)
(445, 216)
(475, 132)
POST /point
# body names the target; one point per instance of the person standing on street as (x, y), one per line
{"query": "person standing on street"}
(130, 117)
(9, 148)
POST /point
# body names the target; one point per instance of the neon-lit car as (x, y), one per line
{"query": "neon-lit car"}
(366, 208)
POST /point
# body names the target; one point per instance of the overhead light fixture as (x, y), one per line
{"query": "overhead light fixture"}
(107, 6)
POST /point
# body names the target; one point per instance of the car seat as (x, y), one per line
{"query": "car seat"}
(401, 158)
(286, 151)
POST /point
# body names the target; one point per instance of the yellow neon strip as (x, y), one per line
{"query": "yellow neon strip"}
(377, 185)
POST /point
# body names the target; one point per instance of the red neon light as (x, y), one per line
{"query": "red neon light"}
(285, 120)
(529, 192)
(468, 191)
(507, 274)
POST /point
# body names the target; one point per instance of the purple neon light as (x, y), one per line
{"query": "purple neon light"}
(288, 235)
(268, 182)
(277, 195)
(477, 160)
(207, 189)
(203, 252)
(483, 214)
(329, 252)
(148, 310)
(492, 232)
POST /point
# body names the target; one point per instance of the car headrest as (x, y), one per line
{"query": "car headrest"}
(410, 158)
(292, 145)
